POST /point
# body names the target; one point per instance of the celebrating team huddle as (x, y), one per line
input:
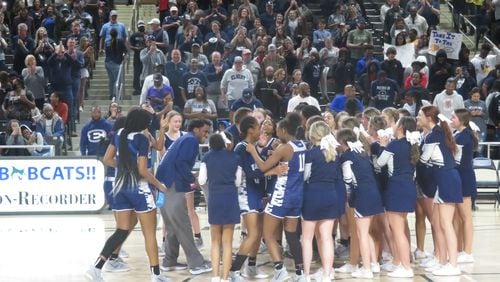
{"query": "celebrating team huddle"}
(305, 176)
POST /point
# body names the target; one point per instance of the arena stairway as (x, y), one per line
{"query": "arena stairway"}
(98, 93)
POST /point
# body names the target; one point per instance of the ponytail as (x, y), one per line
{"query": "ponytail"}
(449, 140)
(414, 154)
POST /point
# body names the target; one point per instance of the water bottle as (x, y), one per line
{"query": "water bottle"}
(160, 201)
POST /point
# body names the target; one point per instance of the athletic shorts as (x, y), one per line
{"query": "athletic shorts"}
(282, 212)
(139, 199)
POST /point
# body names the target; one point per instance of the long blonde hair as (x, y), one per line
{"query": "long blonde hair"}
(317, 131)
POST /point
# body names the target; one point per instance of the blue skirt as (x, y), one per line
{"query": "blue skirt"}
(449, 186)
(320, 201)
(401, 194)
(468, 178)
(223, 208)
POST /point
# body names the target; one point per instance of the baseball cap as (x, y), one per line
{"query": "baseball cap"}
(238, 59)
(140, 23)
(157, 77)
(247, 94)
(174, 8)
(228, 46)
(154, 21)
(113, 13)
(187, 17)
(361, 21)
(271, 47)
(195, 44)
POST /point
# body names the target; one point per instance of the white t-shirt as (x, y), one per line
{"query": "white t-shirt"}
(295, 101)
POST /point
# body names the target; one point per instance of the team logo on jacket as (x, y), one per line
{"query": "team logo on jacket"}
(96, 135)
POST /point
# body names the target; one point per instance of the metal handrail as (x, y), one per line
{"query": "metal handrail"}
(50, 147)
(120, 81)
(489, 145)
(465, 18)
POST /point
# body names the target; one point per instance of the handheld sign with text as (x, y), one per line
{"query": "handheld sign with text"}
(448, 41)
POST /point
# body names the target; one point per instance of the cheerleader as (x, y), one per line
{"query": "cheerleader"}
(324, 198)
(132, 195)
(250, 197)
(439, 151)
(223, 209)
(468, 142)
(364, 198)
(400, 156)
(173, 127)
(285, 203)
(174, 120)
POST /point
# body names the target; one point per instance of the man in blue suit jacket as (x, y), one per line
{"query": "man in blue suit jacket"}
(175, 172)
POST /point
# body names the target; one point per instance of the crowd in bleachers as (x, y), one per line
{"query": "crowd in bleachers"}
(206, 59)
(47, 56)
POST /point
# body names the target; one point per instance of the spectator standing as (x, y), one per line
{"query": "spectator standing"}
(393, 66)
(3, 47)
(115, 53)
(137, 43)
(304, 97)
(478, 111)
(171, 24)
(358, 40)
(234, 81)
(105, 34)
(273, 59)
(215, 71)
(250, 64)
(159, 34)
(89, 63)
(416, 21)
(151, 58)
(192, 79)
(485, 62)
(22, 46)
(94, 134)
(34, 80)
(312, 73)
(448, 100)
(363, 62)
(25, 18)
(439, 72)
(464, 82)
(175, 70)
(384, 91)
(270, 93)
(76, 73)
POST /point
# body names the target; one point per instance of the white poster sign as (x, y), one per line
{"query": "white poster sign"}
(51, 185)
(405, 53)
(448, 41)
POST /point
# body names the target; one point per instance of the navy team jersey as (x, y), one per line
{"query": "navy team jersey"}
(251, 190)
(289, 187)
(138, 144)
(269, 181)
